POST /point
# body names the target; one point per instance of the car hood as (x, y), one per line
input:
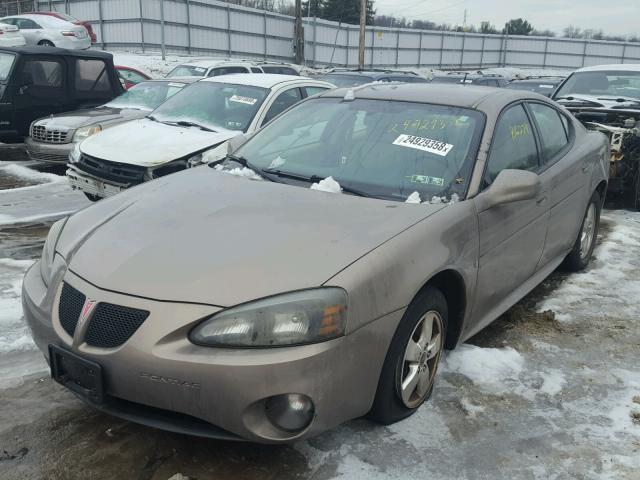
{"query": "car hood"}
(209, 237)
(91, 116)
(147, 143)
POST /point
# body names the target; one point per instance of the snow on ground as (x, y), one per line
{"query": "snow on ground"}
(22, 172)
(15, 335)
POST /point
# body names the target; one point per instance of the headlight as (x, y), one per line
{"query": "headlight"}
(74, 155)
(85, 132)
(49, 250)
(295, 318)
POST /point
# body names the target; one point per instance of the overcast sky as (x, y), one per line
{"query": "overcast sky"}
(614, 17)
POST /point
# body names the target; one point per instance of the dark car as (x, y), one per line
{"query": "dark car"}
(353, 78)
(37, 82)
(538, 84)
(466, 78)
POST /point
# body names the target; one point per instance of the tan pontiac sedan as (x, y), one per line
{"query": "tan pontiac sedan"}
(316, 275)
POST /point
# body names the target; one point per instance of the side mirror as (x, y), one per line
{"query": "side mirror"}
(508, 187)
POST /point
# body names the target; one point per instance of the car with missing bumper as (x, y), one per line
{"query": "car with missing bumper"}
(190, 128)
(51, 139)
(318, 272)
(606, 98)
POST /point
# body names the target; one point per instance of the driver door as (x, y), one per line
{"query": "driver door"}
(512, 235)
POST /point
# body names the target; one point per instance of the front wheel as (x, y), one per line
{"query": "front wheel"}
(409, 370)
(46, 43)
(580, 255)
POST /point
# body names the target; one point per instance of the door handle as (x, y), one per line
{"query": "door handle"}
(541, 200)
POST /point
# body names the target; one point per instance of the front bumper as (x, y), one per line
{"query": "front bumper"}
(80, 180)
(48, 152)
(159, 378)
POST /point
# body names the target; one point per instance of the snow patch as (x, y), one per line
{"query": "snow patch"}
(15, 334)
(495, 370)
(239, 172)
(277, 162)
(413, 198)
(470, 409)
(552, 383)
(327, 185)
(25, 173)
(45, 217)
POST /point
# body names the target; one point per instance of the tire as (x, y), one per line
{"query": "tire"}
(46, 43)
(93, 198)
(391, 402)
(634, 194)
(582, 250)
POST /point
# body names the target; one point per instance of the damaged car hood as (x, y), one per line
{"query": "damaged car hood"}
(81, 118)
(209, 237)
(147, 143)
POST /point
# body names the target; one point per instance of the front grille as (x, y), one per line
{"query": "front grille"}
(48, 157)
(112, 325)
(40, 133)
(70, 307)
(113, 171)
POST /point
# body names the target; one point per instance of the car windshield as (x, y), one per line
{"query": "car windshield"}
(449, 79)
(379, 148)
(187, 71)
(340, 80)
(146, 95)
(6, 62)
(614, 83)
(214, 105)
(539, 87)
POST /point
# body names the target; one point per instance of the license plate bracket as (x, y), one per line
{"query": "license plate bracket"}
(78, 374)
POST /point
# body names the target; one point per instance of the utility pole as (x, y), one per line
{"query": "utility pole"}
(299, 34)
(363, 22)
(464, 22)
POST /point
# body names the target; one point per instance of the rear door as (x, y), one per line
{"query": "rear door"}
(568, 173)
(31, 31)
(512, 235)
(92, 84)
(44, 89)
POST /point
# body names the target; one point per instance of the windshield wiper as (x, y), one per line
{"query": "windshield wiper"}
(620, 99)
(313, 179)
(578, 99)
(187, 123)
(243, 162)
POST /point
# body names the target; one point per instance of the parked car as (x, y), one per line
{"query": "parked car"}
(353, 78)
(544, 85)
(467, 78)
(10, 36)
(36, 82)
(130, 76)
(52, 138)
(213, 68)
(195, 123)
(69, 18)
(606, 98)
(254, 307)
(48, 31)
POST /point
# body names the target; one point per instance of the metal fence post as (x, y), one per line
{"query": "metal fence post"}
(464, 39)
(584, 51)
(100, 17)
(264, 28)
(420, 50)
(315, 28)
(373, 45)
(624, 52)
(546, 49)
(346, 60)
(441, 48)
(141, 25)
(188, 4)
(228, 30)
(482, 51)
(397, 46)
(162, 39)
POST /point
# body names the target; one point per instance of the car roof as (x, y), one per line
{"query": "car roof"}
(467, 96)
(264, 80)
(38, 50)
(213, 63)
(372, 73)
(185, 80)
(628, 67)
(538, 80)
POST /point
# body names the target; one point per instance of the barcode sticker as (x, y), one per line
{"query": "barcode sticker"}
(425, 144)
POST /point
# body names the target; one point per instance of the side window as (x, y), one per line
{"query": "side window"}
(26, 24)
(513, 145)
(43, 74)
(215, 72)
(553, 134)
(91, 76)
(279, 70)
(313, 90)
(131, 76)
(256, 70)
(282, 102)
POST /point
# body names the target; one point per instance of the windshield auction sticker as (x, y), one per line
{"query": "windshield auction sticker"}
(425, 144)
(241, 99)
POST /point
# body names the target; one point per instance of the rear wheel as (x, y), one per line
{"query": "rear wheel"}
(635, 191)
(46, 43)
(582, 251)
(409, 370)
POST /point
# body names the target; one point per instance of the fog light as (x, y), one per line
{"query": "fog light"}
(291, 412)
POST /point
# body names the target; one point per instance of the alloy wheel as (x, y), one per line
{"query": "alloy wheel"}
(588, 231)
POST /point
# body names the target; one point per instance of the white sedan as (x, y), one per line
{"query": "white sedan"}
(10, 36)
(49, 31)
(190, 128)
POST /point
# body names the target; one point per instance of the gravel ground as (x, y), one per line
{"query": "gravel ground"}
(551, 390)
